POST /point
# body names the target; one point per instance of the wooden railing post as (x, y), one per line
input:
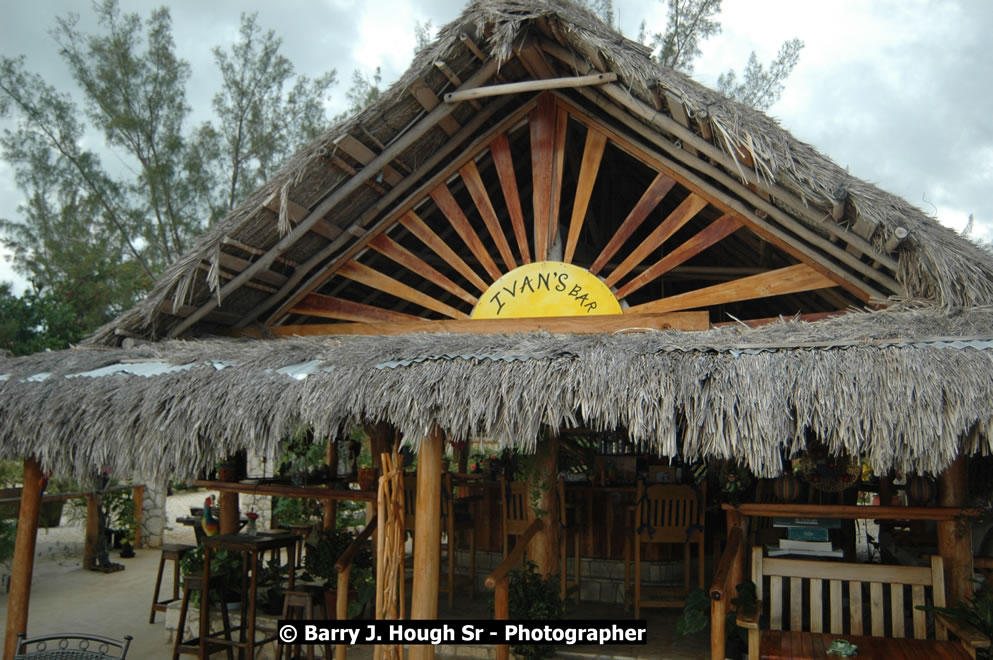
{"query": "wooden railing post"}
(92, 530)
(344, 568)
(139, 502)
(342, 608)
(723, 590)
(498, 581)
(501, 612)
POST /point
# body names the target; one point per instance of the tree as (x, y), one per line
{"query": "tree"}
(103, 234)
(688, 24)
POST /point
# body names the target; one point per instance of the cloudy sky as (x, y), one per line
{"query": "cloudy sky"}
(898, 91)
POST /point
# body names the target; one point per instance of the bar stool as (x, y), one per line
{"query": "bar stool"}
(172, 552)
(194, 645)
(300, 605)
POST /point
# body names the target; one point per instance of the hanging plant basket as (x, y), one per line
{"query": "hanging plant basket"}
(826, 472)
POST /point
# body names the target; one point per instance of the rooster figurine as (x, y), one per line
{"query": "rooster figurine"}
(209, 524)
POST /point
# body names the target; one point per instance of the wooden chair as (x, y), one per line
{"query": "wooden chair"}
(514, 505)
(452, 525)
(873, 589)
(668, 514)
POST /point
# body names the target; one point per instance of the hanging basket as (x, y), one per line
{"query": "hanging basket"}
(825, 472)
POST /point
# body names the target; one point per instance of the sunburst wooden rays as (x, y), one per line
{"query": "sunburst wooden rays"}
(493, 216)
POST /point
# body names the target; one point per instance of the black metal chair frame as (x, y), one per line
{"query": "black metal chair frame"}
(71, 646)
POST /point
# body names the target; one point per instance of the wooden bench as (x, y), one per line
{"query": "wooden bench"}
(802, 622)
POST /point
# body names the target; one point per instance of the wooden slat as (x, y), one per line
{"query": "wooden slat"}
(716, 231)
(542, 125)
(679, 217)
(855, 607)
(419, 228)
(239, 264)
(376, 280)
(477, 190)
(558, 165)
(678, 112)
(429, 101)
(442, 196)
(776, 602)
(654, 194)
(454, 79)
(315, 304)
(365, 155)
(504, 162)
(896, 610)
(390, 248)
(343, 165)
(796, 603)
(919, 618)
(853, 511)
(836, 604)
(592, 155)
(876, 608)
(792, 279)
(564, 325)
(816, 605)
(298, 213)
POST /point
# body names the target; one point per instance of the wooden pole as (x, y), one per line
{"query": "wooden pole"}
(92, 530)
(139, 503)
(228, 501)
(955, 536)
(544, 547)
(427, 536)
(331, 506)
(23, 563)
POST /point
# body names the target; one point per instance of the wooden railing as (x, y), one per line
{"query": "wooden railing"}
(722, 590)
(344, 568)
(500, 584)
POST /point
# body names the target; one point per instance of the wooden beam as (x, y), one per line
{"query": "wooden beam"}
(343, 165)
(401, 144)
(374, 279)
(678, 112)
(725, 202)
(22, 565)
(429, 101)
(427, 536)
(679, 217)
(809, 318)
(239, 264)
(504, 162)
(654, 194)
(454, 79)
(297, 213)
(558, 167)
(791, 279)
(442, 196)
(363, 154)
(954, 537)
(542, 158)
(530, 86)
(227, 275)
(592, 155)
(390, 248)
(898, 236)
(716, 231)
(477, 190)
(864, 228)
(623, 98)
(468, 42)
(420, 229)
(318, 265)
(564, 324)
(315, 304)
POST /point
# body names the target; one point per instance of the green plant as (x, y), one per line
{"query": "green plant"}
(269, 585)
(224, 564)
(8, 533)
(323, 551)
(534, 597)
(293, 510)
(976, 611)
(300, 453)
(121, 515)
(696, 611)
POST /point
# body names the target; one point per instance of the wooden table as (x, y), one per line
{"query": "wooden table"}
(251, 548)
(780, 645)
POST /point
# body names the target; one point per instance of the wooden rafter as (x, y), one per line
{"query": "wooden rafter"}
(450, 208)
(429, 101)
(365, 155)
(679, 217)
(328, 307)
(402, 143)
(654, 194)
(238, 264)
(504, 162)
(374, 279)
(420, 229)
(401, 255)
(792, 279)
(477, 190)
(530, 86)
(558, 167)
(542, 163)
(298, 213)
(568, 324)
(592, 155)
(716, 231)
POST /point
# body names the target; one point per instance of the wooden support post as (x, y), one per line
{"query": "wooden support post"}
(501, 612)
(955, 536)
(228, 501)
(23, 563)
(331, 506)
(737, 572)
(544, 547)
(92, 530)
(427, 536)
(139, 502)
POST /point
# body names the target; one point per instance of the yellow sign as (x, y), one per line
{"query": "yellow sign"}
(546, 288)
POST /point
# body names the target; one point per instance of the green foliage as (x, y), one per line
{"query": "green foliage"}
(696, 612)
(293, 510)
(301, 453)
(223, 564)
(761, 87)
(119, 506)
(534, 597)
(324, 549)
(364, 90)
(977, 611)
(8, 534)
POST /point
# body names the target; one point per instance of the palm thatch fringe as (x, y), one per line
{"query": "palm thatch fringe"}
(865, 388)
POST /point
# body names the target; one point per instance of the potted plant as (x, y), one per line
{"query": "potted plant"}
(534, 597)
(323, 551)
(223, 565)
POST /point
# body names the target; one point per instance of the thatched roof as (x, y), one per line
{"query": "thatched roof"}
(900, 387)
(933, 263)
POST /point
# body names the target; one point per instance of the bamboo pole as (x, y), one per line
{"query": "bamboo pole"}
(92, 530)
(228, 502)
(139, 503)
(955, 535)
(427, 536)
(530, 86)
(22, 566)
(331, 506)
(544, 547)
(342, 607)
